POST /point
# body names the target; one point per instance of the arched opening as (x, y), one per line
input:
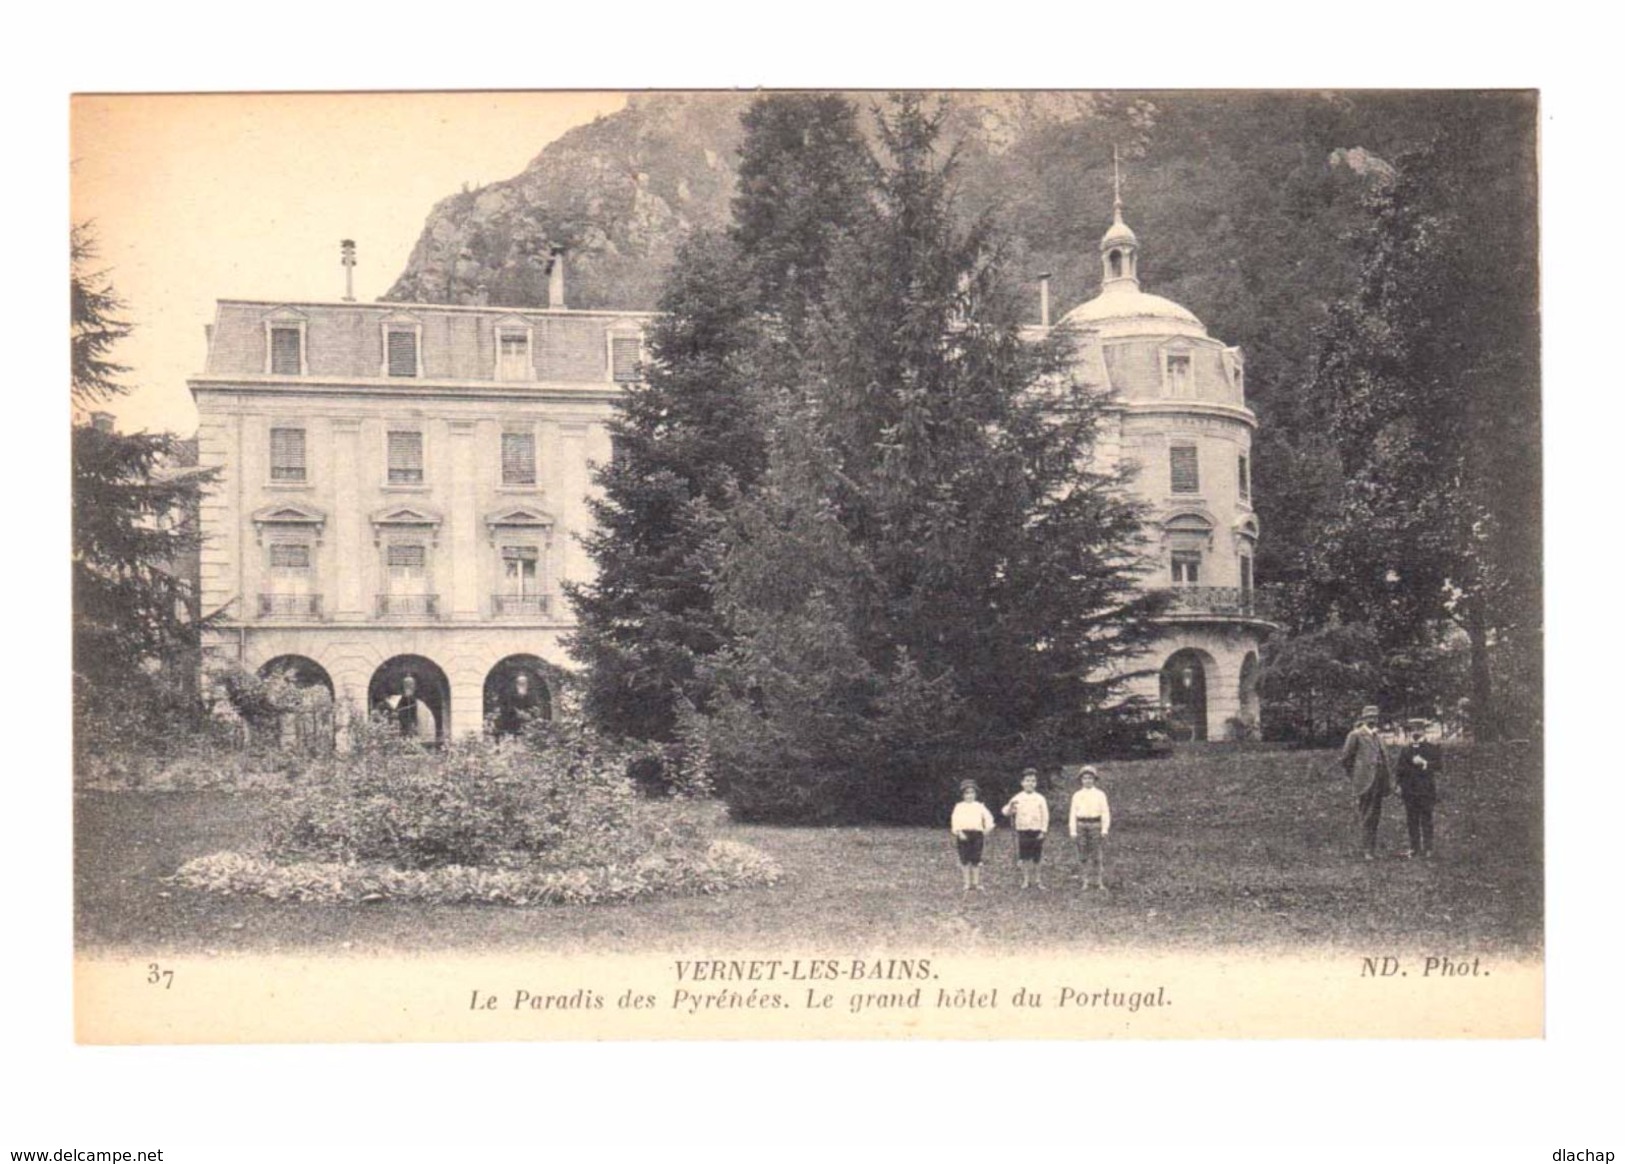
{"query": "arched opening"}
(516, 691)
(304, 701)
(412, 693)
(1248, 711)
(1183, 684)
(1116, 261)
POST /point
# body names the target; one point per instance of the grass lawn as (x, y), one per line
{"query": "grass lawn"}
(1208, 848)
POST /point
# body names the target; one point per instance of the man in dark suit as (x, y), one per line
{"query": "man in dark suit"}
(406, 707)
(1419, 766)
(519, 706)
(1365, 759)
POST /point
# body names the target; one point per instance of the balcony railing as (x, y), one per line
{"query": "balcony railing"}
(1233, 601)
(507, 605)
(290, 606)
(408, 606)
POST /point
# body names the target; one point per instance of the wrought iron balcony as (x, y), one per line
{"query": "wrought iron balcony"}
(303, 606)
(1224, 601)
(408, 606)
(507, 605)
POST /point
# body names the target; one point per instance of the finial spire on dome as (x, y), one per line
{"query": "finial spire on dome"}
(1117, 187)
(1119, 249)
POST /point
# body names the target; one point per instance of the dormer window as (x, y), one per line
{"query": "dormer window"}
(1177, 374)
(285, 343)
(403, 353)
(287, 351)
(403, 346)
(513, 354)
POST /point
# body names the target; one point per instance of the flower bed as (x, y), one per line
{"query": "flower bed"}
(721, 866)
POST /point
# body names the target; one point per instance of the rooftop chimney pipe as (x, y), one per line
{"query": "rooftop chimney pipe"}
(1043, 299)
(347, 258)
(555, 276)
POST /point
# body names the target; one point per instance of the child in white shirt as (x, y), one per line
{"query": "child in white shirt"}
(1028, 811)
(970, 824)
(1089, 820)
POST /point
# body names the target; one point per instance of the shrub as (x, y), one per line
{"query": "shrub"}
(556, 795)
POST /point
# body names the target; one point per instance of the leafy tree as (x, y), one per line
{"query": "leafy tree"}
(136, 624)
(1431, 370)
(933, 566)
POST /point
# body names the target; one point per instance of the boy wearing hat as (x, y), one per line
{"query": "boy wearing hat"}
(1088, 821)
(1028, 811)
(970, 824)
(1365, 760)
(1419, 766)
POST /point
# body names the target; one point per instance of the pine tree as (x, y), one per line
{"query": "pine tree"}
(934, 567)
(691, 439)
(136, 625)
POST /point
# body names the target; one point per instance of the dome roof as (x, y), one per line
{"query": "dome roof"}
(1126, 302)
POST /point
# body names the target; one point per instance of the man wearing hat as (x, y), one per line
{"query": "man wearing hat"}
(1366, 762)
(1419, 766)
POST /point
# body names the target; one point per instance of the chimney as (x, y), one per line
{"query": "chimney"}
(347, 258)
(101, 421)
(1043, 299)
(555, 276)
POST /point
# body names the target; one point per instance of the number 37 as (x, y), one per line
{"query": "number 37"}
(157, 976)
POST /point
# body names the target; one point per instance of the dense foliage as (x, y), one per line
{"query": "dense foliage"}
(930, 567)
(136, 623)
(1430, 376)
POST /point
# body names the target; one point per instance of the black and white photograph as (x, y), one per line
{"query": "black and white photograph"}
(807, 564)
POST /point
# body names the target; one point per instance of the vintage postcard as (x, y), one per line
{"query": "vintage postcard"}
(807, 565)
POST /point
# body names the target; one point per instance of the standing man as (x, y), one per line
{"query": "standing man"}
(518, 708)
(406, 707)
(1419, 765)
(1365, 760)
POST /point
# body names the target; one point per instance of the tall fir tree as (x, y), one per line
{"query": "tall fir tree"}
(935, 568)
(691, 439)
(136, 624)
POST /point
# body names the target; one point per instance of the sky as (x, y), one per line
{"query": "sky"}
(203, 197)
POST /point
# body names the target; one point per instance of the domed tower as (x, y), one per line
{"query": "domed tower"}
(1178, 412)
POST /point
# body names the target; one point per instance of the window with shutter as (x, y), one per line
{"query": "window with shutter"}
(1246, 572)
(290, 556)
(287, 454)
(1244, 481)
(1182, 463)
(519, 458)
(403, 352)
(406, 458)
(286, 351)
(624, 353)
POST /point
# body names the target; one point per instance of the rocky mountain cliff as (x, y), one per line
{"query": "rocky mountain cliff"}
(618, 194)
